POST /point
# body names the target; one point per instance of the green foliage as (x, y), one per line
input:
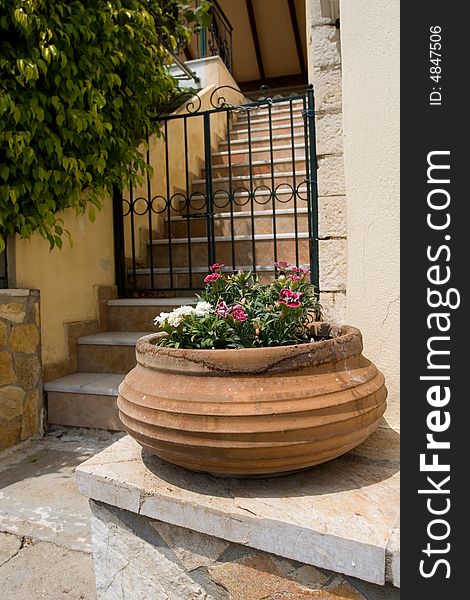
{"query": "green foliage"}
(78, 84)
(238, 311)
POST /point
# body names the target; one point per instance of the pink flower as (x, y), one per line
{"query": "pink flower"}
(296, 277)
(300, 271)
(216, 267)
(238, 313)
(282, 265)
(212, 278)
(290, 298)
(222, 310)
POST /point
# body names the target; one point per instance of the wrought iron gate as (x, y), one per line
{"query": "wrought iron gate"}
(232, 183)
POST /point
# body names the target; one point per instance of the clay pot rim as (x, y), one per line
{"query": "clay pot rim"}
(345, 342)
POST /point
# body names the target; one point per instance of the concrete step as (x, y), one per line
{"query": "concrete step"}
(109, 352)
(181, 276)
(263, 130)
(276, 107)
(280, 165)
(264, 140)
(281, 114)
(138, 313)
(285, 219)
(262, 153)
(276, 119)
(84, 400)
(195, 253)
(242, 182)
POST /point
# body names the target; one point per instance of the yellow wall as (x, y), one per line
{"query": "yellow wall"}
(66, 278)
(371, 119)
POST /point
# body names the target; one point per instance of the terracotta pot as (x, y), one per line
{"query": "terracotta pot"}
(253, 412)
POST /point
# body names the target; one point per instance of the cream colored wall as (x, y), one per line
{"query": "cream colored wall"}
(67, 278)
(370, 58)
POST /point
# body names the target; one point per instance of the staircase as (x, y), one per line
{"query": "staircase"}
(247, 232)
(88, 398)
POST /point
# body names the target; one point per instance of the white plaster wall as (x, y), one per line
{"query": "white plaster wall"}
(370, 71)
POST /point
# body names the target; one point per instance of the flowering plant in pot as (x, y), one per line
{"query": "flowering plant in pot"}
(236, 310)
(249, 382)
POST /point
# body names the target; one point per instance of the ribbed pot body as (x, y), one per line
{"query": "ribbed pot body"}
(253, 412)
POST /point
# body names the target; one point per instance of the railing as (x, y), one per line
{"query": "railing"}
(234, 183)
(3, 270)
(216, 40)
(185, 72)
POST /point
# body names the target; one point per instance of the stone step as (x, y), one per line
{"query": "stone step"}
(280, 165)
(242, 182)
(108, 352)
(263, 130)
(138, 313)
(84, 400)
(182, 278)
(261, 153)
(196, 253)
(276, 107)
(285, 220)
(281, 114)
(264, 120)
(259, 142)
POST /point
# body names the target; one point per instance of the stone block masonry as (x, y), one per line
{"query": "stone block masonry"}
(21, 398)
(136, 558)
(324, 69)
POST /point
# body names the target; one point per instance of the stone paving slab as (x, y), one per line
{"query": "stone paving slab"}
(339, 516)
(38, 493)
(42, 570)
(44, 521)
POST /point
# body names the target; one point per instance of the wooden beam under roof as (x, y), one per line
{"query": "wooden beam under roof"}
(254, 33)
(296, 31)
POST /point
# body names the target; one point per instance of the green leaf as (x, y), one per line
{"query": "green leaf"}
(76, 102)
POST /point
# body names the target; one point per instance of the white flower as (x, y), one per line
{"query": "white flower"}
(203, 308)
(185, 310)
(162, 317)
(176, 317)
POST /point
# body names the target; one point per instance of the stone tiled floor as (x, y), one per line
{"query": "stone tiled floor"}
(44, 521)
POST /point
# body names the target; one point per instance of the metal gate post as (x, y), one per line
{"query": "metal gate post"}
(119, 251)
(209, 199)
(313, 189)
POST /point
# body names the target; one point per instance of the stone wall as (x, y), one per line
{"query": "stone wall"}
(324, 68)
(21, 398)
(136, 557)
